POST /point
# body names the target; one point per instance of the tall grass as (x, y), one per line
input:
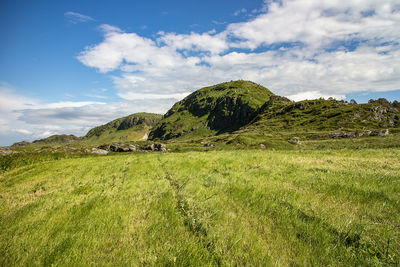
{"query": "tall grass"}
(258, 207)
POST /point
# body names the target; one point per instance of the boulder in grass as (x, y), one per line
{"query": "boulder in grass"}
(384, 132)
(295, 140)
(98, 151)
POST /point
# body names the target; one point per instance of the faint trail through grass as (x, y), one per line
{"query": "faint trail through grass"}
(189, 214)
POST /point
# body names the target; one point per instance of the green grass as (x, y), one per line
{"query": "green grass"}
(251, 207)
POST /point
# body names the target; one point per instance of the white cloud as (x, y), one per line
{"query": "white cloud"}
(74, 17)
(318, 23)
(304, 48)
(312, 95)
(195, 42)
(240, 11)
(23, 131)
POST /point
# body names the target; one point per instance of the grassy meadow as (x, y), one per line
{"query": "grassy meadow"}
(250, 207)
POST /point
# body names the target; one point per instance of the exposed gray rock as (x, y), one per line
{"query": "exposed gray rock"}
(105, 147)
(6, 151)
(160, 147)
(262, 146)
(98, 151)
(295, 140)
(342, 135)
(380, 133)
(358, 134)
(208, 145)
(149, 147)
(156, 147)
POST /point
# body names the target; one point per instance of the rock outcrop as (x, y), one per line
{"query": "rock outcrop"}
(383, 132)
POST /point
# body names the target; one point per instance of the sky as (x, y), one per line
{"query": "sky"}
(67, 66)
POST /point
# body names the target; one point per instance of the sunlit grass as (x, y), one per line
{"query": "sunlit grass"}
(254, 207)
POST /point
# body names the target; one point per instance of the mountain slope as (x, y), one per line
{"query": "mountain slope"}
(324, 115)
(130, 128)
(212, 110)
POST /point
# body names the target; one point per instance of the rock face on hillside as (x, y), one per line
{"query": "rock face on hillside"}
(216, 109)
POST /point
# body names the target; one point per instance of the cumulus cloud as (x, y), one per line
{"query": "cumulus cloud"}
(318, 23)
(207, 42)
(74, 17)
(298, 48)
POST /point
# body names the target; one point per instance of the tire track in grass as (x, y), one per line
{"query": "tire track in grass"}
(190, 218)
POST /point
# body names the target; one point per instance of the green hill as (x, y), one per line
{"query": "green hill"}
(245, 108)
(212, 110)
(57, 139)
(130, 128)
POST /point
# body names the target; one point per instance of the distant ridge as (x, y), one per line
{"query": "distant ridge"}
(130, 128)
(57, 139)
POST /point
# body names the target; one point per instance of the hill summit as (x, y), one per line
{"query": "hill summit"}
(224, 107)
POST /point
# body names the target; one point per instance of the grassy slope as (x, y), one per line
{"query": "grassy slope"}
(140, 124)
(134, 133)
(226, 207)
(310, 116)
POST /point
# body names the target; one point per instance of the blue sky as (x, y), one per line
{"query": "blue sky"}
(66, 66)
(40, 42)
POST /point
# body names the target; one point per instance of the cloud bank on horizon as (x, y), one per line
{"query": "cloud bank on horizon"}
(302, 49)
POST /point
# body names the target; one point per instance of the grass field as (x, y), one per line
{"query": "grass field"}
(251, 207)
